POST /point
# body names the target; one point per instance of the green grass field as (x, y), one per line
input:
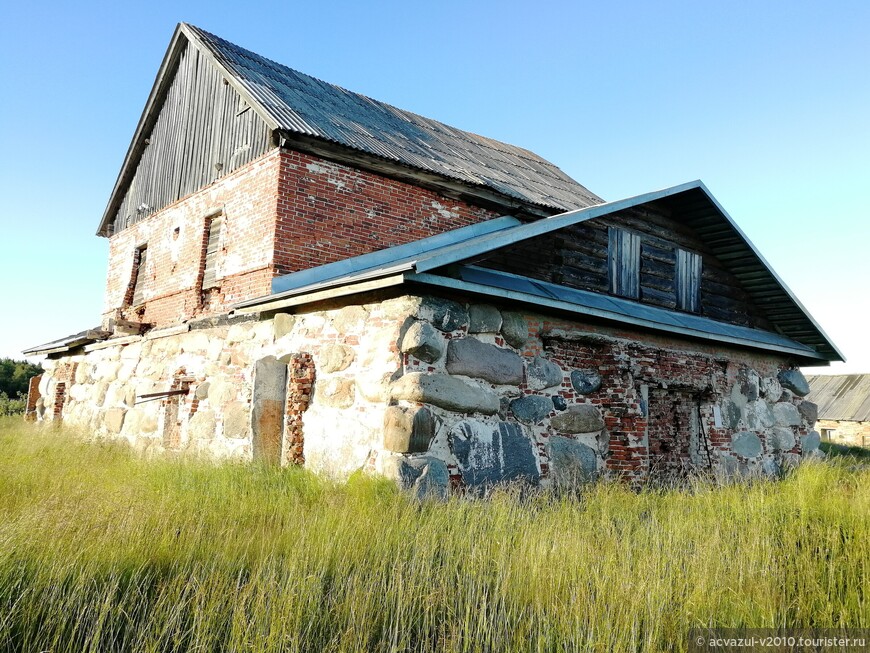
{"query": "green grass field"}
(104, 551)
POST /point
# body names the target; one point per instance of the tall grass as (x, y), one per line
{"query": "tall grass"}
(104, 551)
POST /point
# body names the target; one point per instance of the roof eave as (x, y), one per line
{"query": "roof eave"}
(406, 275)
(773, 274)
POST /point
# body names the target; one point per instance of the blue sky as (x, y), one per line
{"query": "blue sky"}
(767, 102)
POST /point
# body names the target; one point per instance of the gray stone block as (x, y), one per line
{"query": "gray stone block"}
(202, 425)
(770, 388)
(445, 392)
(531, 409)
(759, 415)
(236, 420)
(423, 341)
(483, 318)
(514, 328)
(282, 324)
(488, 454)
(747, 383)
(559, 402)
(770, 468)
(809, 411)
(795, 381)
(335, 358)
(541, 373)
(731, 414)
(810, 442)
(443, 314)
(572, 462)
(583, 418)
(746, 444)
(400, 470)
(201, 391)
(114, 419)
(335, 392)
(781, 439)
(408, 430)
(786, 414)
(350, 318)
(586, 381)
(470, 357)
(434, 480)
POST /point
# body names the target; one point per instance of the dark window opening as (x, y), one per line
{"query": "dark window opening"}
(136, 289)
(674, 430)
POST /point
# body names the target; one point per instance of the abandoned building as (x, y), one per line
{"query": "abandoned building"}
(299, 274)
(844, 408)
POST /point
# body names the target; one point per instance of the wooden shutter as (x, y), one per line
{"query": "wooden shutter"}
(688, 281)
(623, 262)
(139, 270)
(212, 248)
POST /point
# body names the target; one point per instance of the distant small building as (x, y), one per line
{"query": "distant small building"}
(844, 407)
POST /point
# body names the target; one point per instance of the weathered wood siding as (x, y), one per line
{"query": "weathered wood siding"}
(204, 131)
(578, 257)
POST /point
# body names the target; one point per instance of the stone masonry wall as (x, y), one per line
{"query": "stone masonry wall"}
(441, 393)
(854, 434)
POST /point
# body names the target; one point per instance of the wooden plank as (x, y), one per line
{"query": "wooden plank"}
(664, 284)
(657, 297)
(195, 128)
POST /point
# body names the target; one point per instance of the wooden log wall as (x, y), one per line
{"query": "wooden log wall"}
(577, 257)
(203, 132)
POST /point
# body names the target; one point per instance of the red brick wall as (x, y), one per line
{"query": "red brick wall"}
(626, 366)
(174, 238)
(328, 212)
(284, 212)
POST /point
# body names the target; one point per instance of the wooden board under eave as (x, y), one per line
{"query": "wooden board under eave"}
(204, 131)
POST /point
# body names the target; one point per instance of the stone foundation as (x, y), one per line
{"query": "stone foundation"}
(439, 393)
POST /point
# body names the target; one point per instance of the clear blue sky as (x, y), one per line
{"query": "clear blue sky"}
(767, 102)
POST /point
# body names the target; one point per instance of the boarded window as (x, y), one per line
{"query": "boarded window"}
(212, 248)
(688, 281)
(138, 282)
(623, 262)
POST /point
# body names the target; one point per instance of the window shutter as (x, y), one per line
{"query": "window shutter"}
(212, 248)
(688, 281)
(623, 262)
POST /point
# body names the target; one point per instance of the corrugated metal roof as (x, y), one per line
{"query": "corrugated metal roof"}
(844, 397)
(691, 203)
(298, 103)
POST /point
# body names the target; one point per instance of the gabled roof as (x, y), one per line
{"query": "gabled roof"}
(841, 397)
(301, 107)
(427, 261)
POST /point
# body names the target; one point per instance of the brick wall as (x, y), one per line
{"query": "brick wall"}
(657, 399)
(174, 238)
(328, 212)
(284, 212)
